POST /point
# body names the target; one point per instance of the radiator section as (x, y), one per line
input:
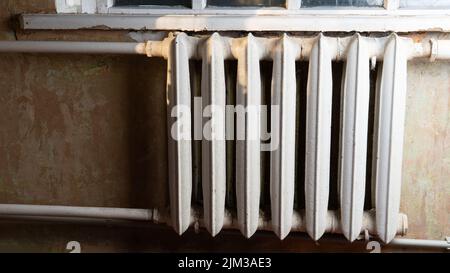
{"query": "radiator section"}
(358, 54)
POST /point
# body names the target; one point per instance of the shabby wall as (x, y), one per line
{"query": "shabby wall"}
(90, 131)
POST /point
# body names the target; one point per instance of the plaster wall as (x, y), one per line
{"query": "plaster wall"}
(90, 131)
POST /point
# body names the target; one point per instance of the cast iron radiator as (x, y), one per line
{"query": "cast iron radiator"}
(359, 56)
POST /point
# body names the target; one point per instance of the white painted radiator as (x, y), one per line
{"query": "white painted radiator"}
(358, 54)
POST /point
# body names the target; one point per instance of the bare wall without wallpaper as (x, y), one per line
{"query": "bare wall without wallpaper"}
(88, 130)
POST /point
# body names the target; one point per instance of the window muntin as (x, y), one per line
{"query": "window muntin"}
(202, 6)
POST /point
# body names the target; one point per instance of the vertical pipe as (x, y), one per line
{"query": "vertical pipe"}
(213, 143)
(389, 138)
(282, 158)
(248, 143)
(179, 133)
(353, 141)
(318, 138)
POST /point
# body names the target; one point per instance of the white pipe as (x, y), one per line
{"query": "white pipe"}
(96, 214)
(82, 212)
(439, 49)
(332, 225)
(435, 49)
(156, 216)
(73, 47)
(399, 242)
(418, 243)
(75, 220)
(443, 49)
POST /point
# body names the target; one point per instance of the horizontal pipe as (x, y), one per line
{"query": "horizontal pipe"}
(436, 49)
(433, 49)
(418, 243)
(122, 215)
(77, 220)
(333, 224)
(156, 216)
(440, 49)
(82, 212)
(72, 47)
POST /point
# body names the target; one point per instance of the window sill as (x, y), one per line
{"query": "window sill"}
(337, 20)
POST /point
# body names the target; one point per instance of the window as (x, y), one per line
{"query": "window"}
(342, 3)
(138, 6)
(427, 4)
(263, 3)
(246, 3)
(173, 3)
(248, 15)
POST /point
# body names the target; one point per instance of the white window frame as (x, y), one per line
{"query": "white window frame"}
(102, 14)
(107, 7)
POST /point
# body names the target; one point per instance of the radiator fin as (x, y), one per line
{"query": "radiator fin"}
(213, 144)
(353, 140)
(248, 152)
(180, 151)
(282, 164)
(390, 132)
(318, 138)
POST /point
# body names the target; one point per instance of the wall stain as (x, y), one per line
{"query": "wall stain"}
(90, 131)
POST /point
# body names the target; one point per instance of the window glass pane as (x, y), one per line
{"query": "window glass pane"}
(424, 3)
(184, 3)
(258, 3)
(342, 3)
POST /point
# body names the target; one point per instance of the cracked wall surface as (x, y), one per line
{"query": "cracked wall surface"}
(90, 131)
